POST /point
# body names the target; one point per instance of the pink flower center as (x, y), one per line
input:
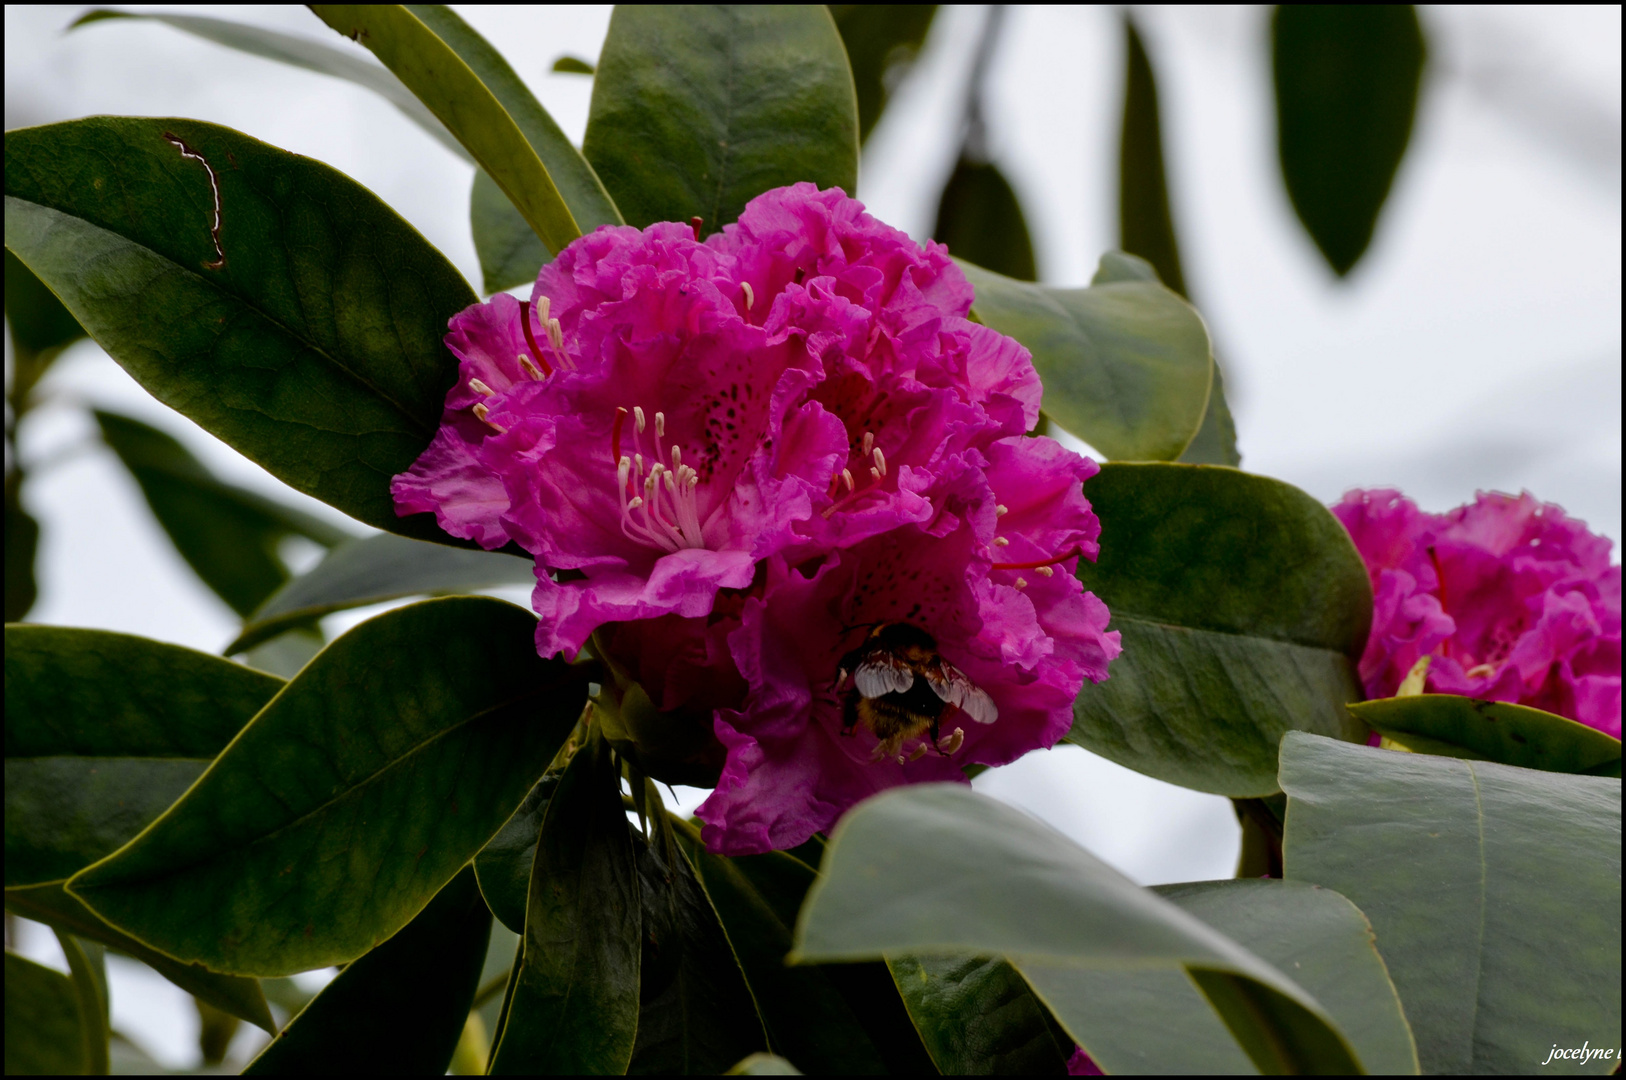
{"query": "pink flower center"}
(658, 507)
(844, 479)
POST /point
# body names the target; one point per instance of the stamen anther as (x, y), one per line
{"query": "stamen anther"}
(481, 388)
(750, 296)
(1046, 571)
(1021, 583)
(483, 414)
(660, 425)
(1000, 541)
(880, 460)
(528, 367)
(869, 442)
(1001, 510)
(638, 414)
(847, 478)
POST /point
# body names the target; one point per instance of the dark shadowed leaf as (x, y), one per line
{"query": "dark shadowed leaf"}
(1145, 224)
(981, 221)
(697, 110)
(882, 41)
(573, 1006)
(1494, 892)
(1347, 77)
(1126, 363)
(978, 1017)
(1243, 606)
(398, 1009)
(392, 758)
(45, 1033)
(936, 868)
(510, 253)
(1492, 731)
(503, 866)
(22, 542)
(373, 570)
(38, 320)
(315, 350)
(87, 969)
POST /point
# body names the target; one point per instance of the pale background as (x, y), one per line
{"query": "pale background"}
(1476, 346)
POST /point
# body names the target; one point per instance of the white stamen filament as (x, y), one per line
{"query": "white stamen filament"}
(638, 415)
(542, 306)
(750, 296)
(669, 511)
(481, 388)
(483, 414)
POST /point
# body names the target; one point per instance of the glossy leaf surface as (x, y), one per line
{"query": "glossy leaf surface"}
(503, 866)
(697, 110)
(937, 868)
(398, 1009)
(1494, 892)
(373, 570)
(1126, 363)
(1492, 731)
(103, 732)
(1242, 604)
(978, 1017)
(1347, 77)
(573, 1007)
(315, 350)
(45, 1033)
(882, 41)
(391, 759)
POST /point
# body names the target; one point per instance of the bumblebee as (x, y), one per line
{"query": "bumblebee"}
(899, 686)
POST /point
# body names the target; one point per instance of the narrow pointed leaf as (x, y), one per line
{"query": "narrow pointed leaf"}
(1494, 892)
(103, 732)
(391, 759)
(1215, 441)
(1492, 731)
(697, 110)
(573, 1007)
(510, 253)
(882, 41)
(1126, 363)
(44, 1029)
(373, 570)
(1145, 222)
(22, 543)
(981, 221)
(315, 350)
(87, 971)
(398, 1009)
(503, 866)
(1243, 607)
(1347, 77)
(978, 1016)
(938, 868)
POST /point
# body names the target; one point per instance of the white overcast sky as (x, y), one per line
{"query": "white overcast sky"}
(1477, 346)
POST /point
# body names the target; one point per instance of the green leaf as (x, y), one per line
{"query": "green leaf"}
(510, 253)
(981, 221)
(807, 1017)
(936, 868)
(503, 866)
(1126, 363)
(1347, 77)
(45, 1033)
(574, 1006)
(1145, 223)
(1494, 892)
(39, 322)
(373, 570)
(301, 53)
(1243, 607)
(696, 1016)
(1492, 731)
(697, 110)
(1215, 441)
(978, 1017)
(572, 65)
(287, 653)
(763, 1065)
(227, 534)
(315, 351)
(882, 41)
(472, 90)
(103, 732)
(22, 542)
(398, 1009)
(52, 905)
(391, 759)
(87, 968)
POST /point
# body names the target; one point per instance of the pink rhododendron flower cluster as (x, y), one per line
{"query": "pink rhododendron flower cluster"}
(737, 460)
(1513, 601)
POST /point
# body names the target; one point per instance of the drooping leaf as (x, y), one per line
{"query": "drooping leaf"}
(981, 221)
(373, 570)
(1347, 77)
(301, 53)
(1145, 222)
(22, 543)
(510, 253)
(503, 866)
(882, 41)
(227, 534)
(391, 759)
(87, 969)
(103, 732)
(696, 1016)
(315, 350)
(398, 1009)
(1243, 607)
(573, 1006)
(1492, 731)
(697, 110)
(1126, 363)
(39, 323)
(978, 1017)
(937, 868)
(1494, 892)
(45, 1033)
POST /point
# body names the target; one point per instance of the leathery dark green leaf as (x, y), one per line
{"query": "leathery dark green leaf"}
(392, 758)
(882, 41)
(103, 732)
(315, 349)
(1145, 222)
(87, 970)
(937, 868)
(22, 543)
(697, 110)
(978, 1017)
(1494, 892)
(373, 570)
(44, 1029)
(1492, 731)
(980, 220)
(503, 867)
(1243, 607)
(573, 1006)
(1126, 363)
(400, 1008)
(510, 253)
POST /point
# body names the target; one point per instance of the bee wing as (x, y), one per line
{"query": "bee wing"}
(955, 687)
(881, 673)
